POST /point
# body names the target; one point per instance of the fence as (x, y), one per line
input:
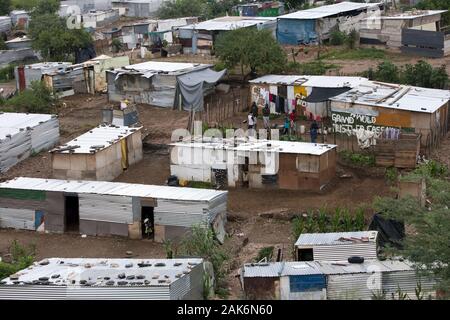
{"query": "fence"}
(425, 43)
(222, 106)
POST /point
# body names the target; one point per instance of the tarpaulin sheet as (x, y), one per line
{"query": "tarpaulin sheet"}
(323, 94)
(193, 85)
(390, 231)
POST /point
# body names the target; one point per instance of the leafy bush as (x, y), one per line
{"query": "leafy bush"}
(266, 252)
(358, 159)
(432, 169)
(422, 74)
(21, 258)
(391, 174)
(199, 185)
(323, 220)
(3, 45)
(201, 243)
(7, 73)
(352, 39)
(38, 99)
(337, 38)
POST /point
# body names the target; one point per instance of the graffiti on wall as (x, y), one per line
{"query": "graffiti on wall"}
(348, 123)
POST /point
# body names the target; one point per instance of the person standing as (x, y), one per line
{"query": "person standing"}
(254, 111)
(266, 117)
(292, 118)
(250, 121)
(313, 131)
(286, 125)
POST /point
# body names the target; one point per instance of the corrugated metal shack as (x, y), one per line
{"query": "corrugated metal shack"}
(309, 95)
(338, 280)
(67, 79)
(102, 153)
(374, 108)
(19, 43)
(5, 24)
(106, 279)
(87, 5)
(199, 38)
(155, 83)
(35, 72)
(98, 19)
(336, 246)
(388, 29)
(256, 164)
(20, 18)
(147, 33)
(260, 9)
(315, 25)
(139, 8)
(110, 208)
(23, 134)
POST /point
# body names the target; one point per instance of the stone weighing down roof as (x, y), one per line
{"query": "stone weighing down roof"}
(330, 10)
(275, 146)
(97, 139)
(12, 123)
(103, 272)
(336, 238)
(114, 189)
(393, 96)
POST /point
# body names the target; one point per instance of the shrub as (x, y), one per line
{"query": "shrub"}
(201, 243)
(7, 73)
(337, 38)
(38, 99)
(21, 258)
(391, 174)
(352, 39)
(358, 159)
(266, 252)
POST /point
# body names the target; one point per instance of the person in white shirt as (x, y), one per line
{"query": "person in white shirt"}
(250, 121)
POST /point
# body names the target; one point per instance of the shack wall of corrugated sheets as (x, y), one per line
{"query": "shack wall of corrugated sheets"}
(29, 135)
(82, 293)
(352, 286)
(106, 208)
(408, 282)
(17, 218)
(368, 250)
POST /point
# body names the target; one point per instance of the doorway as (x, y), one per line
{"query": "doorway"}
(305, 254)
(72, 214)
(147, 227)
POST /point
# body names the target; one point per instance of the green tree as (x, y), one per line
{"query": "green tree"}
(428, 245)
(387, 72)
(249, 48)
(45, 7)
(5, 7)
(3, 45)
(183, 8)
(436, 5)
(37, 99)
(54, 40)
(24, 4)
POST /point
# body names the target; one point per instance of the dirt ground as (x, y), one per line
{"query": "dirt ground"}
(248, 231)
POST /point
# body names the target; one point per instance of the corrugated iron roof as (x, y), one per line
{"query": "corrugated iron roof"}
(11, 123)
(329, 10)
(276, 269)
(333, 238)
(400, 97)
(69, 271)
(97, 139)
(312, 81)
(165, 67)
(409, 15)
(228, 23)
(276, 146)
(114, 188)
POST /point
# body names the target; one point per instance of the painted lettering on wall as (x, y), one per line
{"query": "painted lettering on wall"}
(347, 122)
